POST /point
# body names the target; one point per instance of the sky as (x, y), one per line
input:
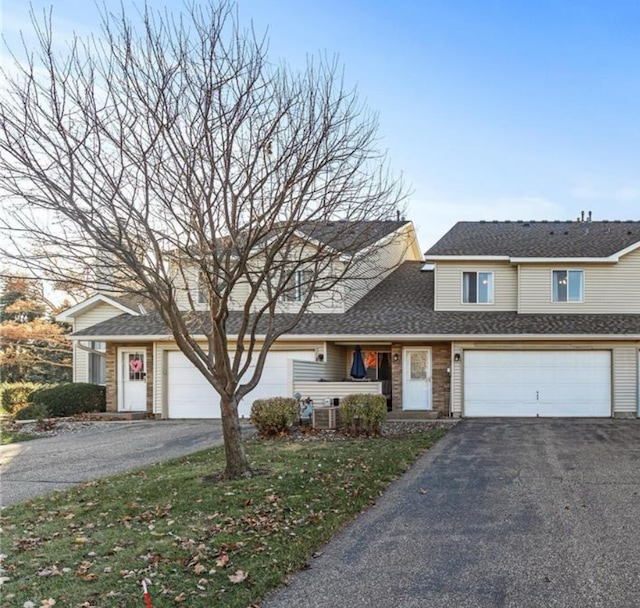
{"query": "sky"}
(493, 110)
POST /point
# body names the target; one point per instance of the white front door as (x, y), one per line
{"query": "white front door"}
(133, 379)
(416, 379)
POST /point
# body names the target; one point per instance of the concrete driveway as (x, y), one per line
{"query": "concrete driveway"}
(539, 513)
(35, 467)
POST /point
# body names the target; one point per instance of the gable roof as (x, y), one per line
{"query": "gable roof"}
(538, 239)
(342, 236)
(350, 236)
(401, 306)
(126, 305)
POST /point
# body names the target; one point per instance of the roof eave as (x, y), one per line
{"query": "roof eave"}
(73, 311)
(470, 258)
(565, 260)
(378, 337)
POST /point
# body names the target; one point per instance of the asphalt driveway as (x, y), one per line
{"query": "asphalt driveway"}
(31, 468)
(539, 513)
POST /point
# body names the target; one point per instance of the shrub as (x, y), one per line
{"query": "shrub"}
(363, 413)
(70, 399)
(274, 416)
(32, 411)
(14, 395)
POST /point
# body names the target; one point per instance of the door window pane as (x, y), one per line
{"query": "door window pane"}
(136, 366)
(418, 365)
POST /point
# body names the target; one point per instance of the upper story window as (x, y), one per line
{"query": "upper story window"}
(477, 287)
(202, 288)
(298, 287)
(568, 285)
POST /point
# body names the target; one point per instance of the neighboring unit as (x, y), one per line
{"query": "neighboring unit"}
(506, 319)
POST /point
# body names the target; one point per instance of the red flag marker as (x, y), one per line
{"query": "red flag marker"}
(147, 599)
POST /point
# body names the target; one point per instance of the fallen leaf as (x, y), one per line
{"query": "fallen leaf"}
(199, 568)
(222, 561)
(180, 598)
(47, 603)
(238, 577)
(90, 577)
(28, 604)
(423, 490)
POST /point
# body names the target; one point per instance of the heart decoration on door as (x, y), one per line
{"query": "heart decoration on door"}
(135, 365)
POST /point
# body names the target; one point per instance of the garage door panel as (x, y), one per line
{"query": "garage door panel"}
(537, 383)
(189, 395)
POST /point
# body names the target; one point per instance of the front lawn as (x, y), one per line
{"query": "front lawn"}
(200, 544)
(11, 436)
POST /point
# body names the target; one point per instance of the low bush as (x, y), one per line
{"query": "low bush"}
(274, 416)
(32, 411)
(70, 399)
(14, 395)
(363, 414)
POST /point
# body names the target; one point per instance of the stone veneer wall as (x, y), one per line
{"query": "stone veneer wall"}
(111, 374)
(440, 377)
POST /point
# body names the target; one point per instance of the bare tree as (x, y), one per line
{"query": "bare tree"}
(167, 148)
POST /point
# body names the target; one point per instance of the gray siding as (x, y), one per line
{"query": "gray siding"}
(448, 281)
(309, 371)
(336, 360)
(376, 265)
(608, 288)
(625, 376)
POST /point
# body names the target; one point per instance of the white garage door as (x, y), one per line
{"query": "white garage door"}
(189, 395)
(537, 383)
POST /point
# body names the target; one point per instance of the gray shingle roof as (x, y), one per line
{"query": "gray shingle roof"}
(538, 239)
(350, 236)
(402, 305)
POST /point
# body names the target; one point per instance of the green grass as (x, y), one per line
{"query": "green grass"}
(90, 546)
(7, 437)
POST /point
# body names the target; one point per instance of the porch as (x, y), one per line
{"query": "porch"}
(389, 368)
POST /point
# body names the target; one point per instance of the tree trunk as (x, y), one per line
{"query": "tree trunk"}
(237, 463)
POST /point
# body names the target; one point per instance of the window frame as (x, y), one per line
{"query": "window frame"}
(568, 272)
(300, 286)
(97, 363)
(491, 294)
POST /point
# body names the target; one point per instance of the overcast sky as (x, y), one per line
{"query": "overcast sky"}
(509, 109)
